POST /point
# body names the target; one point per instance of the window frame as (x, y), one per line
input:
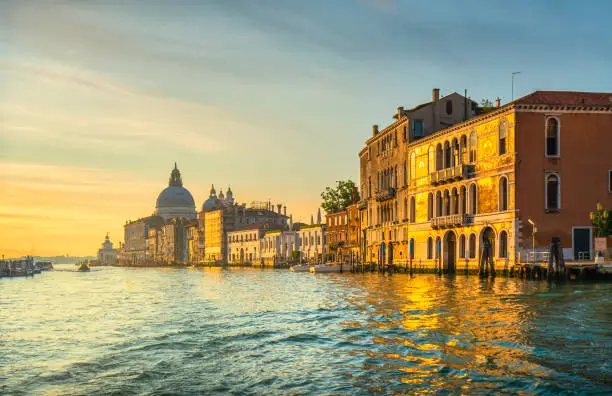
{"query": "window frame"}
(462, 246)
(546, 177)
(473, 148)
(610, 181)
(430, 248)
(472, 240)
(502, 197)
(503, 125)
(503, 242)
(546, 119)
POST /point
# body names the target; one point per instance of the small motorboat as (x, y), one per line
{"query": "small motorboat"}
(84, 267)
(300, 268)
(330, 267)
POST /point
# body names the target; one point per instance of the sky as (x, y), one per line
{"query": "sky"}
(98, 99)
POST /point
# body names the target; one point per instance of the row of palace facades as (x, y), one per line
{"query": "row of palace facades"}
(441, 182)
(442, 179)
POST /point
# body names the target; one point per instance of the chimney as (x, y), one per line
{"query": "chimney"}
(278, 207)
(497, 102)
(435, 94)
(374, 130)
(400, 111)
(285, 210)
(355, 194)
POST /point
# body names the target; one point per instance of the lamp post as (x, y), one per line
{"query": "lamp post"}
(534, 229)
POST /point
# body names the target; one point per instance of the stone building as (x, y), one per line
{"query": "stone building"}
(222, 215)
(311, 242)
(336, 234)
(434, 200)
(106, 254)
(159, 239)
(278, 246)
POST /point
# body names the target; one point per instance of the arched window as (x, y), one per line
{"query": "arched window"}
(463, 149)
(412, 210)
(438, 247)
(503, 193)
(454, 201)
(552, 137)
(412, 166)
(439, 156)
(431, 159)
(462, 246)
(447, 155)
(411, 252)
(429, 248)
(449, 107)
(405, 174)
(438, 204)
(473, 147)
(473, 246)
(430, 206)
(553, 198)
(503, 131)
(455, 152)
(473, 199)
(396, 213)
(503, 244)
(463, 200)
(406, 209)
(447, 204)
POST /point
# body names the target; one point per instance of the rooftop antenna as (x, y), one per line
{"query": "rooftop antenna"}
(514, 74)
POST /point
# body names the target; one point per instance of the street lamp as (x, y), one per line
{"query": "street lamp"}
(534, 229)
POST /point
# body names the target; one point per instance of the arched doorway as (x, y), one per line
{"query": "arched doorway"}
(241, 256)
(487, 238)
(390, 254)
(449, 251)
(381, 256)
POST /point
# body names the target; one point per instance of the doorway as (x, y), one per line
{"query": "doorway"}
(450, 247)
(581, 243)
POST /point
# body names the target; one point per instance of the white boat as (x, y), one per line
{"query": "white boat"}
(300, 268)
(330, 267)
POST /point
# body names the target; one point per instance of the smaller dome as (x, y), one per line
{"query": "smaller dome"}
(212, 203)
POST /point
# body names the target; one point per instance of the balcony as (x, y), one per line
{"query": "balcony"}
(456, 220)
(450, 174)
(386, 194)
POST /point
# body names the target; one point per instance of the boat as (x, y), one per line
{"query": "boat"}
(84, 267)
(300, 268)
(331, 267)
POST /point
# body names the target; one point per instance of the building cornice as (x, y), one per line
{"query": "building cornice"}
(388, 128)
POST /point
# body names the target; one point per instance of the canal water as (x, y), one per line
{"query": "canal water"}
(182, 331)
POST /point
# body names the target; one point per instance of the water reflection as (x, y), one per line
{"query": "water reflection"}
(250, 330)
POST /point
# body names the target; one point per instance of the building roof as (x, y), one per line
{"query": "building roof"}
(566, 98)
(263, 225)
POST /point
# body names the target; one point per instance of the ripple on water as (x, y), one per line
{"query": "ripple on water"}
(159, 331)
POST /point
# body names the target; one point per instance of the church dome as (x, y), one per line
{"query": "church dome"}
(212, 203)
(172, 197)
(175, 200)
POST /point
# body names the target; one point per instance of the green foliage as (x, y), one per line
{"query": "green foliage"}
(339, 197)
(295, 255)
(486, 103)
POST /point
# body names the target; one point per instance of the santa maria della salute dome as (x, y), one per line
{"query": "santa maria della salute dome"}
(175, 200)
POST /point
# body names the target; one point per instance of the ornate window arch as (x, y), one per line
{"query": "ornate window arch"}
(553, 192)
(503, 133)
(503, 244)
(473, 245)
(553, 141)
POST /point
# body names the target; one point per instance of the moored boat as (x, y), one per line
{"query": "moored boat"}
(45, 265)
(300, 268)
(330, 267)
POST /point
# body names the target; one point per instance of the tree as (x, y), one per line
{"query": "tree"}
(339, 197)
(486, 103)
(295, 255)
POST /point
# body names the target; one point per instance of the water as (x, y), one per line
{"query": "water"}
(180, 331)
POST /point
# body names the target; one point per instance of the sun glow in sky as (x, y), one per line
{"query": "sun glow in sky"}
(275, 98)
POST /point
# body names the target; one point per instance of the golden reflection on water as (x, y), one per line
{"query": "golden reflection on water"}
(331, 333)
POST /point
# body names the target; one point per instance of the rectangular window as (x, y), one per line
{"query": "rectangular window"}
(417, 128)
(610, 181)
